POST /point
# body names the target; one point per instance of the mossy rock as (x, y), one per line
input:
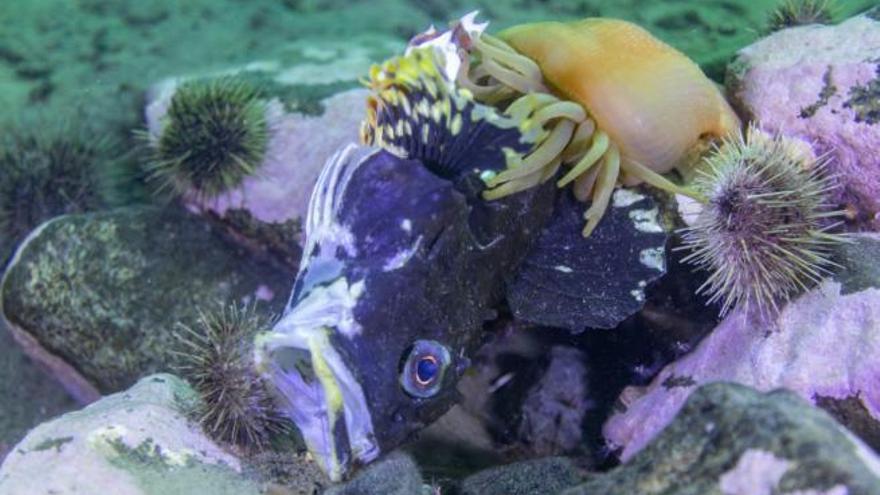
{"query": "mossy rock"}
(729, 438)
(534, 477)
(105, 292)
(137, 442)
(396, 474)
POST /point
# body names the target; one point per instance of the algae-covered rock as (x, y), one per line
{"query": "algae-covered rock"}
(104, 292)
(396, 474)
(137, 442)
(732, 440)
(548, 476)
(821, 84)
(822, 346)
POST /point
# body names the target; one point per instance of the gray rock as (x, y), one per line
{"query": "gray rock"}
(97, 297)
(30, 395)
(554, 409)
(396, 474)
(860, 263)
(732, 440)
(547, 476)
(137, 442)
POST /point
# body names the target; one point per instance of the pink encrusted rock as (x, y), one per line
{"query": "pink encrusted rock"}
(298, 146)
(821, 84)
(315, 104)
(823, 346)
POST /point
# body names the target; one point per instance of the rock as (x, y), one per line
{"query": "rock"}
(97, 297)
(137, 442)
(821, 84)
(536, 477)
(858, 259)
(315, 108)
(822, 346)
(732, 440)
(396, 474)
(30, 395)
(555, 406)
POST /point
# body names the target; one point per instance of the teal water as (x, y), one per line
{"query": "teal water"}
(79, 72)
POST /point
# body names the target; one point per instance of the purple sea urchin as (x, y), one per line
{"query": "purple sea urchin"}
(216, 357)
(213, 136)
(764, 234)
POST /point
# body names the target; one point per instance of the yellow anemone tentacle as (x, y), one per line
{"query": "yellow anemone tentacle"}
(583, 185)
(562, 109)
(604, 187)
(523, 183)
(540, 157)
(580, 141)
(491, 49)
(601, 142)
(511, 78)
(647, 175)
(524, 106)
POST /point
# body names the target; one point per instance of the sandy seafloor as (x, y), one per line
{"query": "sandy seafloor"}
(94, 59)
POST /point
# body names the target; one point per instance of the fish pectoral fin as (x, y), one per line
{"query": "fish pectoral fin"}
(568, 281)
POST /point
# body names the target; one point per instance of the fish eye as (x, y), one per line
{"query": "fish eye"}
(422, 372)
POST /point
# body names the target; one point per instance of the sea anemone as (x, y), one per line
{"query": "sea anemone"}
(791, 13)
(598, 95)
(765, 233)
(50, 170)
(213, 136)
(216, 357)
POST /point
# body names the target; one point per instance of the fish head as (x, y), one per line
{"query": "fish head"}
(393, 289)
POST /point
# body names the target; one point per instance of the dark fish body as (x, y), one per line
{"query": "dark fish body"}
(405, 262)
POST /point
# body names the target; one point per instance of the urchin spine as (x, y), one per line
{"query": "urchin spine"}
(213, 135)
(792, 13)
(765, 233)
(216, 357)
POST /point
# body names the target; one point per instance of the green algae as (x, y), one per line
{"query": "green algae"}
(53, 443)
(864, 99)
(828, 90)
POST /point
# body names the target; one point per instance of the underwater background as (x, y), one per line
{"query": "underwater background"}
(142, 269)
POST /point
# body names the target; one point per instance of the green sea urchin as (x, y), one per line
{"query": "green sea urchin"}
(216, 357)
(213, 136)
(764, 234)
(791, 13)
(50, 170)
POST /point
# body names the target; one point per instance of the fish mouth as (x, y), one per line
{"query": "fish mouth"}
(319, 393)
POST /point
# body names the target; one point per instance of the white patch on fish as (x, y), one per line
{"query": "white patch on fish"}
(322, 220)
(402, 257)
(646, 220)
(625, 197)
(563, 269)
(330, 306)
(654, 258)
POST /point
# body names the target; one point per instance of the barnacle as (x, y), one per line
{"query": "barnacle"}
(599, 96)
